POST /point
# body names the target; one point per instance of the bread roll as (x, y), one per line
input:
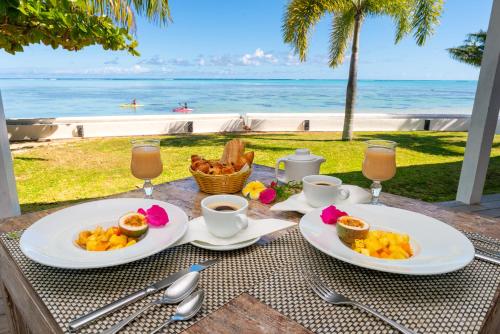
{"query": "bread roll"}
(248, 156)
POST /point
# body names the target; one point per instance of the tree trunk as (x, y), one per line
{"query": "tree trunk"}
(350, 99)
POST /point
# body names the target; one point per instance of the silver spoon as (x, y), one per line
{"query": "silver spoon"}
(179, 290)
(186, 310)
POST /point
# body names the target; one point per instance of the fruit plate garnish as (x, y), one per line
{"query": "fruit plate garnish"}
(156, 216)
(331, 214)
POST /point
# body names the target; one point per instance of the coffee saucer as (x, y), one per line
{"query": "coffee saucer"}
(298, 202)
(238, 245)
(199, 236)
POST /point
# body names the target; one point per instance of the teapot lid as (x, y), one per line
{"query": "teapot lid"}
(303, 154)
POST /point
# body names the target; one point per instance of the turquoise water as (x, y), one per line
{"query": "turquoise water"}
(32, 98)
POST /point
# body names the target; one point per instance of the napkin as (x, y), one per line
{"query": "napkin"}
(299, 203)
(197, 230)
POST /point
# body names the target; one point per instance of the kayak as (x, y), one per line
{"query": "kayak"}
(182, 109)
(129, 105)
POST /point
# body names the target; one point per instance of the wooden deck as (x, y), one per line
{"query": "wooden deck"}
(489, 206)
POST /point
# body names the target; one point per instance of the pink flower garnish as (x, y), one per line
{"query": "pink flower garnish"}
(330, 215)
(155, 215)
(267, 196)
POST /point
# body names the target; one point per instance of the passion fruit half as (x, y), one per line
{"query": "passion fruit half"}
(133, 224)
(351, 228)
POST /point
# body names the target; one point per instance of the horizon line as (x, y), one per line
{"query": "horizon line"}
(220, 79)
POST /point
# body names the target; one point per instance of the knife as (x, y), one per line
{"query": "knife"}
(120, 303)
(487, 251)
(487, 258)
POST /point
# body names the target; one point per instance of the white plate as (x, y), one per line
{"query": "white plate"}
(438, 248)
(238, 245)
(50, 241)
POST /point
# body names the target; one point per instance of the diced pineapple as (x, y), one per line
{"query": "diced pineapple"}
(130, 243)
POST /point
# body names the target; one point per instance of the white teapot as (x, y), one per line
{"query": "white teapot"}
(298, 165)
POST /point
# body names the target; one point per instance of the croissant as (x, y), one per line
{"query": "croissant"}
(195, 158)
(204, 167)
(215, 171)
(228, 170)
(195, 164)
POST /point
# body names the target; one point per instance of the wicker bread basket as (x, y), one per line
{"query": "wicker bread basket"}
(221, 184)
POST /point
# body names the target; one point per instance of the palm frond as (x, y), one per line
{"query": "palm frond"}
(471, 52)
(298, 21)
(340, 35)
(425, 18)
(399, 10)
(123, 11)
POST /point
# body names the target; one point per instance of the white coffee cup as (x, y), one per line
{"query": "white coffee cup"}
(318, 195)
(225, 223)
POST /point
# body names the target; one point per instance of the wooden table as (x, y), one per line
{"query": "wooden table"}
(27, 313)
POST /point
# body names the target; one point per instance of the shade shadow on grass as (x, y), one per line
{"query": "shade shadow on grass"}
(30, 159)
(435, 144)
(215, 140)
(431, 182)
(39, 206)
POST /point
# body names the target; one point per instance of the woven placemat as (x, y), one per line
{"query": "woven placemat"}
(451, 303)
(72, 293)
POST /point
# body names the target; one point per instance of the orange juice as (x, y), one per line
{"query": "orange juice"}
(379, 163)
(146, 162)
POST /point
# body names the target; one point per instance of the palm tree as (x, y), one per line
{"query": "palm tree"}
(417, 16)
(471, 52)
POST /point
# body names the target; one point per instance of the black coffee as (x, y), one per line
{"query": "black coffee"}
(323, 184)
(227, 207)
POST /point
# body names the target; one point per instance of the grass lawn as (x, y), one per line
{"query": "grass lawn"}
(428, 163)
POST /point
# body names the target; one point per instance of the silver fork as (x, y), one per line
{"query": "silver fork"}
(335, 298)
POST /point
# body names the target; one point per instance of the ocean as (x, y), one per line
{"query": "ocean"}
(69, 97)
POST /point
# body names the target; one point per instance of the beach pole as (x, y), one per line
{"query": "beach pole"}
(484, 117)
(9, 203)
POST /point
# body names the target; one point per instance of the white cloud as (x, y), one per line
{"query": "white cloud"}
(292, 60)
(179, 62)
(257, 58)
(106, 70)
(156, 60)
(113, 61)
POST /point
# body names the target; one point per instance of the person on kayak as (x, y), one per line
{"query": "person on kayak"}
(133, 102)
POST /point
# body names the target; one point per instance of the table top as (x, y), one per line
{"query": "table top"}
(244, 312)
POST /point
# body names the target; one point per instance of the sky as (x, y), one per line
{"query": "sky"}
(243, 39)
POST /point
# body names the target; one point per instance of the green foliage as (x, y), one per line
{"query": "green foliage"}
(471, 52)
(58, 23)
(419, 16)
(75, 24)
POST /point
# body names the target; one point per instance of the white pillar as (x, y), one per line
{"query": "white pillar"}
(484, 116)
(9, 204)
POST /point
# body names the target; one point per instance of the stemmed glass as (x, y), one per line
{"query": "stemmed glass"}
(146, 162)
(379, 164)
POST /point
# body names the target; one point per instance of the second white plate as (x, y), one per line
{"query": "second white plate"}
(438, 248)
